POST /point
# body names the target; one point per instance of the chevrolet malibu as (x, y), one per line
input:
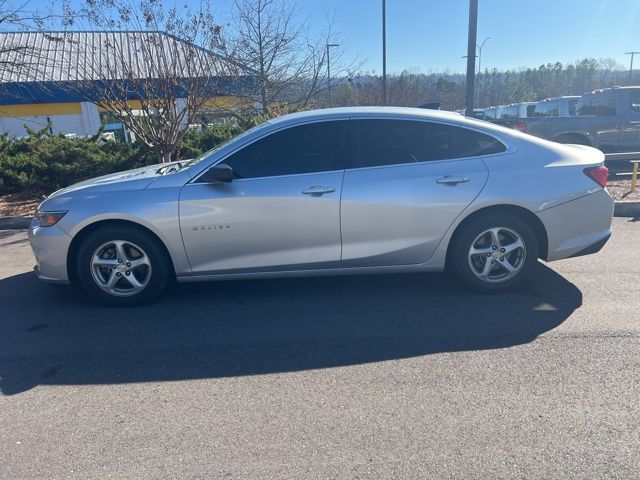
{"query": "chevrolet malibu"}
(331, 192)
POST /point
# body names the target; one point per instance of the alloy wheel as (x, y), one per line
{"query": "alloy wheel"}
(497, 255)
(120, 268)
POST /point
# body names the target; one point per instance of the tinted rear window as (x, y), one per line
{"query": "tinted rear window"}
(572, 106)
(391, 142)
(470, 143)
(599, 104)
(510, 112)
(634, 101)
(547, 108)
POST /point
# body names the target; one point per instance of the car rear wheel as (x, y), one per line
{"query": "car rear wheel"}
(493, 253)
(122, 266)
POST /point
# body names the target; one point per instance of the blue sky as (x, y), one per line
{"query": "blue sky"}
(431, 35)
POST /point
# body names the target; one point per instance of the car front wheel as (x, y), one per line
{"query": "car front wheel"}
(494, 252)
(122, 266)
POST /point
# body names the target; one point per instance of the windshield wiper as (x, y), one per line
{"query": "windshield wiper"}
(174, 167)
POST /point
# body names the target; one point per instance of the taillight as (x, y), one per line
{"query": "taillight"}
(521, 127)
(598, 174)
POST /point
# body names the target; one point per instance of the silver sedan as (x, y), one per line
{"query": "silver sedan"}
(331, 192)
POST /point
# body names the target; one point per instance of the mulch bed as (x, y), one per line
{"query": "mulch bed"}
(620, 190)
(21, 204)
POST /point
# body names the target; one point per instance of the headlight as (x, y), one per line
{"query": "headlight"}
(47, 219)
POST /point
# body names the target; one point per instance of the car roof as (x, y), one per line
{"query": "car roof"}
(392, 112)
(328, 113)
(550, 99)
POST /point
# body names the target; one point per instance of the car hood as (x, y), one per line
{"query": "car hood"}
(137, 178)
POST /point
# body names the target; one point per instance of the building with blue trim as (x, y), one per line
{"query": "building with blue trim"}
(45, 77)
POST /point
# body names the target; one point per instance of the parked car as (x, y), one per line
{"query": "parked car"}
(478, 113)
(518, 110)
(331, 192)
(556, 107)
(511, 114)
(493, 113)
(607, 119)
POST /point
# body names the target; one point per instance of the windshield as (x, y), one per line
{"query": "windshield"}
(206, 155)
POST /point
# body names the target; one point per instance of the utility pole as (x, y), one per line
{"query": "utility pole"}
(384, 52)
(329, 45)
(631, 66)
(471, 56)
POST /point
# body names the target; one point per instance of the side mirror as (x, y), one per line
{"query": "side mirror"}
(221, 173)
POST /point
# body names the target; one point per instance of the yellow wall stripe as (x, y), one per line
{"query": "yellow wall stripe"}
(40, 109)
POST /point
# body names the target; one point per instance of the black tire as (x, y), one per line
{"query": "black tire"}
(159, 272)
(460, 265)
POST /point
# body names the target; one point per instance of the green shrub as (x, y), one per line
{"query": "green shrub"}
(43, 162)
(195, 143)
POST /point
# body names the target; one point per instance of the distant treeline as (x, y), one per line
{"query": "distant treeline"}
(493, 87)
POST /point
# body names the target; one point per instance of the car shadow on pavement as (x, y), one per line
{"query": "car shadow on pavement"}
(54, 336)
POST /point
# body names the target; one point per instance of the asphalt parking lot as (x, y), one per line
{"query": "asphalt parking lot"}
(401, 376)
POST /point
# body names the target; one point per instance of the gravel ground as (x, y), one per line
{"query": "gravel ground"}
(621, 190)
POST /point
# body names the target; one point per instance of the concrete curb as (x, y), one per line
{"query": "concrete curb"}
(14, 223)
(627, 209)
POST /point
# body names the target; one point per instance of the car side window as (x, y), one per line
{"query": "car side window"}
(572, 106)
(510, 112)
(314, 147)
(604, 106)
(470, 143)
(392, 142)
(547, 108)
(634, 101)
(601, 105)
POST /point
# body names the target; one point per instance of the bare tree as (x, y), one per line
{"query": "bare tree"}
(162, 59)
(19, 61)
(271, 38)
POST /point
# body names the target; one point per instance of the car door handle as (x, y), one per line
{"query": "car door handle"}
(452, 180)
(317, 190)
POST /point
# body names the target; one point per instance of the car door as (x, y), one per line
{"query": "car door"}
(629, 102)
(604, 127)
(413, 178)
(282, 210)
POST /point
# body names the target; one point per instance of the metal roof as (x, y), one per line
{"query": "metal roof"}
(99, 55)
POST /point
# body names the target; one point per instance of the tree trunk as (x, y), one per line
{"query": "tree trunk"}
(163, 156)
(263, 99)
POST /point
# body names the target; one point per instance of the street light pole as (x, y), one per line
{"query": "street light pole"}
(631, 66)
(471, 56)
(480, 47)
(384, 52)
(329, 45)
